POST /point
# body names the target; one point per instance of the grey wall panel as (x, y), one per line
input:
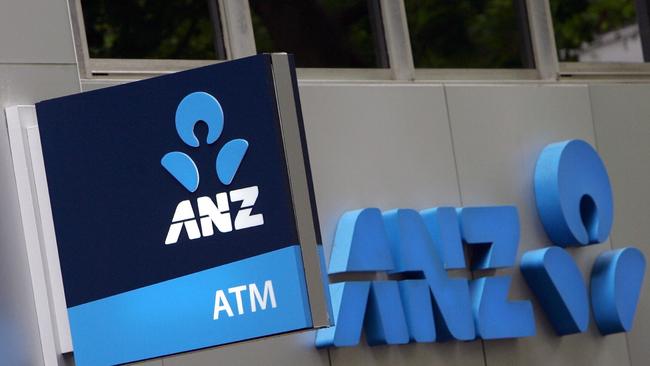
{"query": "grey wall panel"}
(622, 119)
(385, 146)
(156, 362)
(498, 133)
(88, 85)
(291, 349)
(35, 31)
(377, 146)
(69, 361)
(19, 337)
(28, 84)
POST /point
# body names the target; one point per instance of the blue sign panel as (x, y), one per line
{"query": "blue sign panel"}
(173, 213)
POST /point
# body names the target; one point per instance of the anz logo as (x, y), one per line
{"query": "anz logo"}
(418, 301)
(213, 211)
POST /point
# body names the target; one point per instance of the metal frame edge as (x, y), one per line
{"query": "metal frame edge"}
(299, 181)
(17, 117)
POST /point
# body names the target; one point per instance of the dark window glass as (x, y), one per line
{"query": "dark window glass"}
(469, 33)
(146, 29)
(596, 30)
(321, 33)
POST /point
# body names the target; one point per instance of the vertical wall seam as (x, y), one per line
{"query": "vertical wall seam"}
(329, 357)
(460, 194)
(611, 235)
(453, 148)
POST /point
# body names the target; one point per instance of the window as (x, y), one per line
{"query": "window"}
(322, 33)
(596, 31)
(369, 39)
(151, 29)
(469, 33)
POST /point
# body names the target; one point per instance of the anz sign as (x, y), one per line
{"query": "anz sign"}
(213, 212)
(420, 302)
(183, 231)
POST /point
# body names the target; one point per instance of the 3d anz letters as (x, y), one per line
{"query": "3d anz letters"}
(575, 204)
(432, 306)
(414, 251)
(494, 316)
(554, 277)
(420, 302)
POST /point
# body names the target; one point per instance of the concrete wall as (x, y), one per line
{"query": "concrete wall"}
(383, 145)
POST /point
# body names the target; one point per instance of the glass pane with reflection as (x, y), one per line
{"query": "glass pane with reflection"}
(596, 31)
(469, 33)
(321, 33)
(153, 29)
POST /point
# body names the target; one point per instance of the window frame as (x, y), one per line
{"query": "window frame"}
(602, 70)
(239, 41)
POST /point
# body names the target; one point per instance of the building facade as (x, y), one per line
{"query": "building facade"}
(396, 131)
